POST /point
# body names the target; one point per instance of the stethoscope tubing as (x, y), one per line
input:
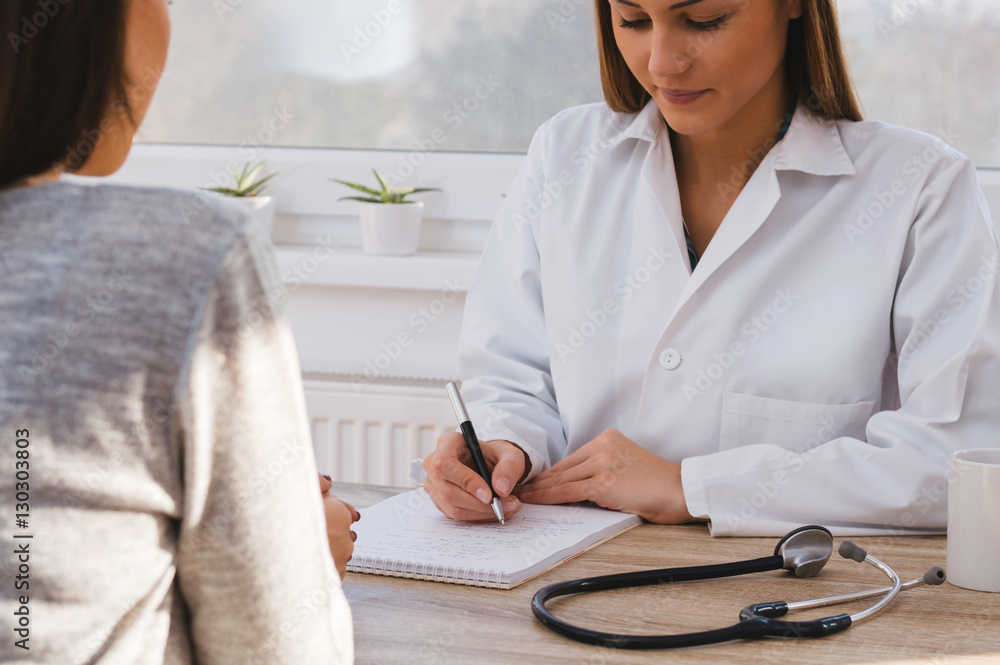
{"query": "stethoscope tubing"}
(759, 625)
(758, 620)
(661, 576)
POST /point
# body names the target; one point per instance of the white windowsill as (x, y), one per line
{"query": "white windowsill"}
(456, 221)
(350, 267)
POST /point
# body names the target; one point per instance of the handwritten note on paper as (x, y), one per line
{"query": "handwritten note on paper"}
(409, 529)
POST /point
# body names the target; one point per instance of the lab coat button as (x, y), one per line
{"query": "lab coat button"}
(670, 359)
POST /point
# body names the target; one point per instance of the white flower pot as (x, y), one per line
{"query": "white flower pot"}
(260, 208)
(390, 228)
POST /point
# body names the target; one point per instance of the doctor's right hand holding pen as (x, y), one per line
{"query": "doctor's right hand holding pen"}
(611, 471)
(459, 492)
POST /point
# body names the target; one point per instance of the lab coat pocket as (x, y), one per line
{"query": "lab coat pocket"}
(799, 426)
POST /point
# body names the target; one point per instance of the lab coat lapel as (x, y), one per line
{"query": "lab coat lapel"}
(812, 145)
(656, 208)
(753, 205)
(663, 212)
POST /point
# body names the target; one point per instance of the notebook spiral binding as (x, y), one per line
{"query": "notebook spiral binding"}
(480, 577)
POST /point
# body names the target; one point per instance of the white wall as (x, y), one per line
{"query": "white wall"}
(358, 314)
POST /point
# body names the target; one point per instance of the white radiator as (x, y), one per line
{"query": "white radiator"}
(368, 431)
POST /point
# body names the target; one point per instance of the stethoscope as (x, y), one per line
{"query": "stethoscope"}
(803, 551)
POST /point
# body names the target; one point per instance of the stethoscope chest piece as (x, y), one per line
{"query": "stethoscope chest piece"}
(803, 551)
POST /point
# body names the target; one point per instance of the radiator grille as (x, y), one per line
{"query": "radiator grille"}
(369, 431)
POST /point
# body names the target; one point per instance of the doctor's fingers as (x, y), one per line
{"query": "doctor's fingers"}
(610, 449)
(457, 504)
(508, 462)
(605, 452)
(466, 489)
(459, 488)
(566, 492)
(450, 445)
(590, 468)
(447, 463)
(477, 513)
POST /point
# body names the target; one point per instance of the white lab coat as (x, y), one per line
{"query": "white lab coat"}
(838, 340)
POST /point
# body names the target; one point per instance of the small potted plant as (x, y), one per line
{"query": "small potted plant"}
(246, 194)
(389, 223)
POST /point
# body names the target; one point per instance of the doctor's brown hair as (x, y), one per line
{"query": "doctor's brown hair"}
(815, 65)
(61, 71)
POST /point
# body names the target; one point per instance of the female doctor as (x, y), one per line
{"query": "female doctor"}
(723, 296)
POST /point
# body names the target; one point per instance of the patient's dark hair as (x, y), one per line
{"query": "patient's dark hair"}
(61, 70)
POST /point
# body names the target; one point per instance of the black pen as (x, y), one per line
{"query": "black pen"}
(472, 442)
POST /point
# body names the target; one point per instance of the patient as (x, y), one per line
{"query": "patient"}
(163, 471)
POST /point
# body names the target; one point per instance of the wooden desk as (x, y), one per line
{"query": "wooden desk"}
(412, 622)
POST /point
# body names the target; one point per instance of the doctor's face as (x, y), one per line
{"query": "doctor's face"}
(706, 62)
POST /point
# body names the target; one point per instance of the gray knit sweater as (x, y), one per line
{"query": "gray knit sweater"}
(172, 502)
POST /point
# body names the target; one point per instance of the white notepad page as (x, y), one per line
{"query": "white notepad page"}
(406, 536)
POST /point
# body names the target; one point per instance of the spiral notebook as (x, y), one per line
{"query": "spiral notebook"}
(406, 536)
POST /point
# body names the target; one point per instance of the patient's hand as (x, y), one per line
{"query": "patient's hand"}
(339, 518)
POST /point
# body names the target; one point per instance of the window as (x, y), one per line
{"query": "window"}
(481, 75)
(931, 65)
(448, 75)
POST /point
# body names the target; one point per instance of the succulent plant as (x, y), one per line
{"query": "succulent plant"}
(246, 182)
(385, 193)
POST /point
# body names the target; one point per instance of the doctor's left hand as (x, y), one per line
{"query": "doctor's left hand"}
(617, 473)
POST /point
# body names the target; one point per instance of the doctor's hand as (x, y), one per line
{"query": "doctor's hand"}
(617, 473)
(459, 492)
(339, 515)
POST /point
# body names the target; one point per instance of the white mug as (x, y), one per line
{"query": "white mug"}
(974, 519)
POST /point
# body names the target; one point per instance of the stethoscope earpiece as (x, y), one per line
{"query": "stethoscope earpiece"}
(935, 576)
(849, 550)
